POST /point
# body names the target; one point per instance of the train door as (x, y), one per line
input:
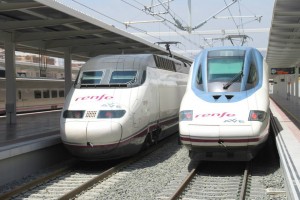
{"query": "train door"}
(20, 103)
(2, 97)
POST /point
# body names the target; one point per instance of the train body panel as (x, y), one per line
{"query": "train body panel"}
(118, 117)
(34, 94)
(224, 113)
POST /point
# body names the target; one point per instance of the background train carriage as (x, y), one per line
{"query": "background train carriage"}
(35, 94)
(38, 87)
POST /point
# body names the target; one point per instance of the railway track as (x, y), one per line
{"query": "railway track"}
(214, 180)
(165, 172)
(259, 179)
(71, 180)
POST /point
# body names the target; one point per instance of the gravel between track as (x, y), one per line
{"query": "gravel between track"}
(145, 178)
(149, 178)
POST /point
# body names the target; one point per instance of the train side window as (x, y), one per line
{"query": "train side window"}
(199, 79)
(252, 77)
(2, 73)
(46, 94)
(37, 94)
(54, 93)
(21, 74)
(199, 75)
(61, 93)
(143, 77)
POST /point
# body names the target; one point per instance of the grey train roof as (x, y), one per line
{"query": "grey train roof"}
(126, 61)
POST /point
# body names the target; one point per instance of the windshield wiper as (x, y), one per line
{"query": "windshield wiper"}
(234, 79)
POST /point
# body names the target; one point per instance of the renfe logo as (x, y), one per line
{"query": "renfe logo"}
(219, 115)
(96, 98)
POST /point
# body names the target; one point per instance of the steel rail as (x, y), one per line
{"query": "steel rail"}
(245, 182)
(38, 181)
(187, 180)
(184, 183)
(111, 171)
(71, 194)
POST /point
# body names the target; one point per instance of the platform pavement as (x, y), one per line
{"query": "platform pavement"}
(31, 145)
(291, 109)
(286, 114)
(30, 133)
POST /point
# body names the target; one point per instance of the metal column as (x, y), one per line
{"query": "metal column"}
(10, 74)
(68, 71)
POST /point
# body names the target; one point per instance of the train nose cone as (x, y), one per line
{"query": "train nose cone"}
(91, 140)
(96, 133)
(73, 132)
(103, 133)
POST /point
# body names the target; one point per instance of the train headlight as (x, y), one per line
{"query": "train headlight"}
(73, 114)
(257, 115)
(111, 114)
(186, 115)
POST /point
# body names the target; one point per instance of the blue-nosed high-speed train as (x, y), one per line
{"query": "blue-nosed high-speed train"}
(224, 114)
(122, 103)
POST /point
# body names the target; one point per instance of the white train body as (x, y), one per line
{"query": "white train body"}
(135, 96)
(34, 94)
(224, 114)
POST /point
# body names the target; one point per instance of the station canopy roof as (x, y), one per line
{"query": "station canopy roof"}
(284, 40)
(51, 28)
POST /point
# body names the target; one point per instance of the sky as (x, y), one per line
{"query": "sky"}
(250, 18)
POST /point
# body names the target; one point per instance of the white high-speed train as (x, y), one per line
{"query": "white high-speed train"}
(224, 114)
(121, 103)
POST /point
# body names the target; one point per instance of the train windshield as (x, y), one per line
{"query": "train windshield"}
(91, 77)
(2, 73)
(224, 65)
(123, 77)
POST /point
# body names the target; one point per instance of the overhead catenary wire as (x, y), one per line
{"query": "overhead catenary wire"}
(164, 22)
(127, 26)
(117, 21)
(170, 20)
(232, 17)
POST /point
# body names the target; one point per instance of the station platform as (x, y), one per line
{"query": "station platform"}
(30, 145)
(286, 116)
(290, 108)
(31, 132)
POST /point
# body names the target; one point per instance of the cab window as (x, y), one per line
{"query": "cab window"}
(91, 77)
(123, 77)
(224, 65)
